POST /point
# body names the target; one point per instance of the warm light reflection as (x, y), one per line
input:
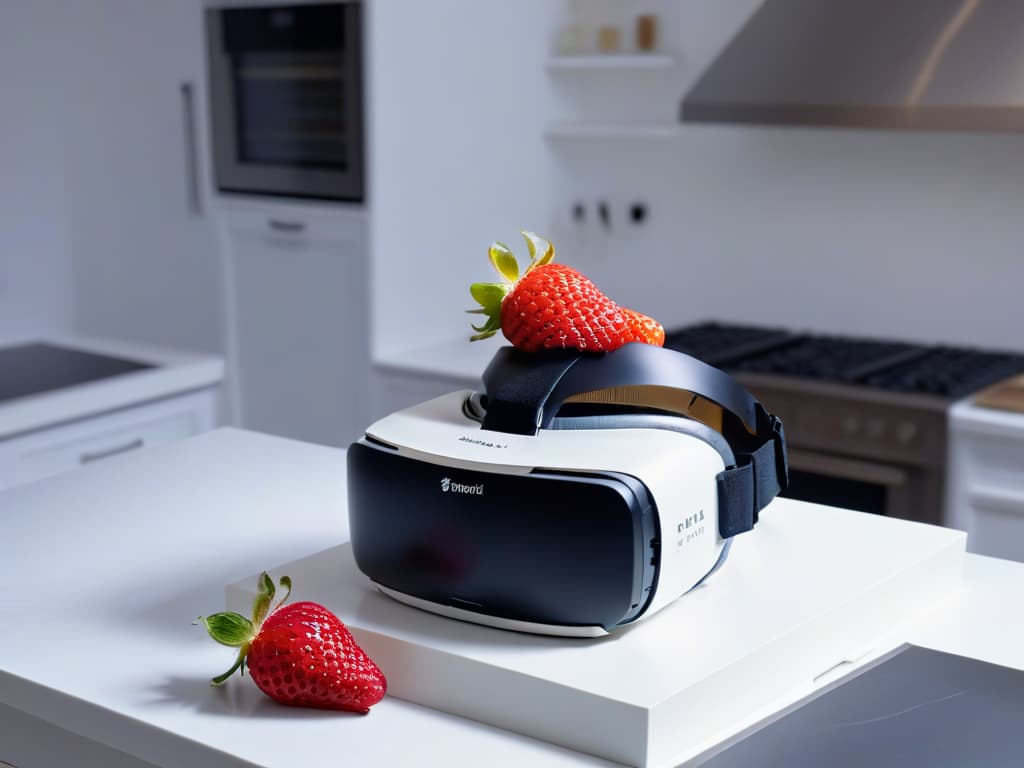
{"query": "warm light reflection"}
(949, 32)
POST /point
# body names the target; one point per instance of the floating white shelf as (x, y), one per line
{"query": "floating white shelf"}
(612, 61)
(606, 131)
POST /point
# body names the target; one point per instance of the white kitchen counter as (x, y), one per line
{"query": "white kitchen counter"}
(458, 359)
(177, 372)
(965, 416)
(106, 567)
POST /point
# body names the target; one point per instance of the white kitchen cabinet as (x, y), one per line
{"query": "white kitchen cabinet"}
(409, 376)
(51, 451)
(143, 242)
(298, 319)
(395, 389)
(986, 479)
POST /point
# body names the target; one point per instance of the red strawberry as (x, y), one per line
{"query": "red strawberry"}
(553, 306)
(646, 328)
(299, 654)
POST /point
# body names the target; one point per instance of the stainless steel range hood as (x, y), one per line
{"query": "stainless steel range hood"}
(951, 65)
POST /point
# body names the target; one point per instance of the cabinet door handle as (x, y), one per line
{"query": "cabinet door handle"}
(106, 453)
(286, 226)
(188, 108)
(997, 500)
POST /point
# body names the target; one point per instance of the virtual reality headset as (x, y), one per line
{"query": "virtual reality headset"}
(576, 494)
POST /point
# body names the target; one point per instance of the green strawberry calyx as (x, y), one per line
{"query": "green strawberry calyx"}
(490, 295)
(236, 631)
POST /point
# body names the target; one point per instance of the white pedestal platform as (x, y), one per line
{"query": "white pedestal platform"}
(810, 588)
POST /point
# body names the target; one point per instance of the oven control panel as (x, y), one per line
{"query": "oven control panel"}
(855, 422)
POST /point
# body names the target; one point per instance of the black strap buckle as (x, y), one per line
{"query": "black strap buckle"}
(760, 474)
(781, 458)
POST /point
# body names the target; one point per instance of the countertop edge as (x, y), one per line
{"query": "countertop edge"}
(454, 359)
(178, 372)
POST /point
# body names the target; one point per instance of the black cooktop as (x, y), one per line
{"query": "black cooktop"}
(719, 345)
(30, 369)
(949, 372)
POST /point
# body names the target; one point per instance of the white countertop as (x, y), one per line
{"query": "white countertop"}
(460, 360)
(176, 372)
(107, 566)
(980, 419)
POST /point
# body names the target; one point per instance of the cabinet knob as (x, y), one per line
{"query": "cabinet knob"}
(907, 431)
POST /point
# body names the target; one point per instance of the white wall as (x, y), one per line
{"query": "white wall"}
(893, 234)
(35, 268)
(868, 233)
(457, 100)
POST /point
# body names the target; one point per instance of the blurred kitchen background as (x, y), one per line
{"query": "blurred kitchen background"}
(267, 215)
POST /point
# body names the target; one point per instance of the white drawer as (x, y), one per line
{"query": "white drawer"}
(102, 438)
(994, 459)
(393, 391)
(286, 224)
(996, 522)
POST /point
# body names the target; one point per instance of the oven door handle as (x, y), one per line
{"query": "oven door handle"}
(850, 469)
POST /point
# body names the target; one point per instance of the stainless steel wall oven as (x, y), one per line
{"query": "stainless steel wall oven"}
(286, 100)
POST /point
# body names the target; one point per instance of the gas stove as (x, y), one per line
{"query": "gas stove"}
(865, 418)
(940, 371)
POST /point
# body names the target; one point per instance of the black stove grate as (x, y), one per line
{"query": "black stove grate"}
(831, 358)
(947, 372)
(718, 344)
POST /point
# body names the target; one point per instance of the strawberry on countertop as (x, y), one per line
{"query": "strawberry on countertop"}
(552, 306)
(298, 654)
